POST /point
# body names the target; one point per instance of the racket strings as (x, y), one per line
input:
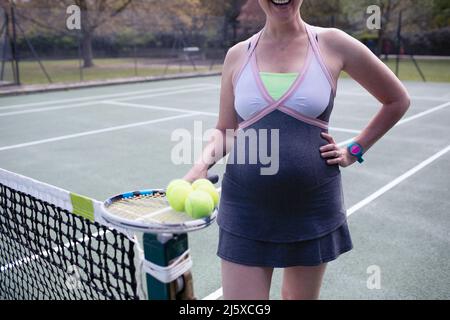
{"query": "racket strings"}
(148, 208)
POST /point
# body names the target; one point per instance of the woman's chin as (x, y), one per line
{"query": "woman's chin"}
(282, 11)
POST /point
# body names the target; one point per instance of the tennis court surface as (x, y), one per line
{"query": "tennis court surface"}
(103, 141)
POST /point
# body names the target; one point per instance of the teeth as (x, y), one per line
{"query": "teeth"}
(281, 2)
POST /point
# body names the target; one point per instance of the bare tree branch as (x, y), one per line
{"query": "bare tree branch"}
(101, 20)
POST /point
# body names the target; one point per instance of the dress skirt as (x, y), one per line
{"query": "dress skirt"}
(258, 253)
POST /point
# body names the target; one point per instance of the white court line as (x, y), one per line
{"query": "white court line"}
(143, 123)
(368, 95)
(210, 114)
(215, 295)
(218, 293)
(78, 105)
(165, 93)
(406, 120)
(160, 94)
(424, 113)
(87, 133)
(345, 130)
(103, 96)
(397, 181)
(151, 107)
(437, 99)
(346, 102)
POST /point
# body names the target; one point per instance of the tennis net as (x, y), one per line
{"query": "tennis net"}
(50, 248)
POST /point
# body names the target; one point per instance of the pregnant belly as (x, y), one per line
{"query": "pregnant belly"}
(279, 152)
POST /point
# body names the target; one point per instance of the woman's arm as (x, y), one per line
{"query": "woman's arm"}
(363, 66)
(223, 136)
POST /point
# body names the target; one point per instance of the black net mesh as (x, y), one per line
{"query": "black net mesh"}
(49, 253)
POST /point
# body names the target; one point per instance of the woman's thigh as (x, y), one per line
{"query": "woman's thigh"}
(241, 282)
(302, 283)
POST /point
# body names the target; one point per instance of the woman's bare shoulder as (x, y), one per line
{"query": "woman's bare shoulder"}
(337, 40)
(237, 52)
(235, 57)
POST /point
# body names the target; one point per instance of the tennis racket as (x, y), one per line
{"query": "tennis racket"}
(148, 211)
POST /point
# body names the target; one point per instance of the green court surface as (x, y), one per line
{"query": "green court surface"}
(104, 141)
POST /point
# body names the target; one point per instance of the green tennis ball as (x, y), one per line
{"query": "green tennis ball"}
(176, 183)
(201, 182)
(177, 196)
(199, 204)
(207, 186)
(211, 190)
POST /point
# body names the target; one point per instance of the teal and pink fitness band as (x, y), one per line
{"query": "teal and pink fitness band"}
(356, 150)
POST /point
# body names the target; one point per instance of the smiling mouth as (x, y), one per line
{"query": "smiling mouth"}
(281, 2)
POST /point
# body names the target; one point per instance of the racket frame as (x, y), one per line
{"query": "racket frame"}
(151, 227)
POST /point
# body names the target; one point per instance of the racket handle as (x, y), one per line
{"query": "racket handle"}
(214, 178)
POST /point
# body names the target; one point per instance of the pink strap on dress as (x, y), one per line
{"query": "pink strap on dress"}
(315, 45)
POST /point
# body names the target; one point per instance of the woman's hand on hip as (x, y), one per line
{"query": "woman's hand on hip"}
(334, 154)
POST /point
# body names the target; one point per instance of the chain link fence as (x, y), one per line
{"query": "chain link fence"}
(154, 38)
(133, 43)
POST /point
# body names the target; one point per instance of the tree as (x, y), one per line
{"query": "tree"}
(415, 12)
(230, 10)
(94, 14)
(252, 17)
(231, 15)
(327, 13)
(441, 13)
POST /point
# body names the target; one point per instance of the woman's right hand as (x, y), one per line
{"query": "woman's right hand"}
(195, 174)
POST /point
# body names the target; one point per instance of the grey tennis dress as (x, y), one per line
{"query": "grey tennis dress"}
(296, 216)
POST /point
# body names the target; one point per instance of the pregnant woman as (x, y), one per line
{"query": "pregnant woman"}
(283, 80)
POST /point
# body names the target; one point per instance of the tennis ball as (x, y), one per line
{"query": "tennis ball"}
(207, 186)
(199, 204)
(176, 183)
(201, 182)
(177, 196)
(211, 190)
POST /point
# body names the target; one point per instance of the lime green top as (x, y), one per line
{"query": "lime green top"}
(277, 84)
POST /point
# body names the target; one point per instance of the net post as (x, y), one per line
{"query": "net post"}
(399, 43)
(4, 38)
(80, 58)
(15, 57)
(162, 251)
